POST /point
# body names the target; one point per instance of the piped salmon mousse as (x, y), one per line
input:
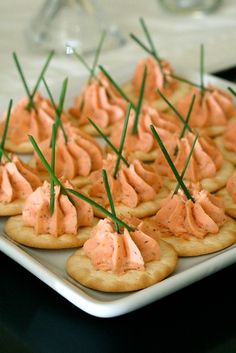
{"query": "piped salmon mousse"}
(135, 190)
(67, 227)
(76, 158)
(142, 145)
(120, 262)
(159, 76)
(211, 111)
(17, 182)
(36, 121)
(194, 226)
(228, 195)
(206, 164)
(100, 102)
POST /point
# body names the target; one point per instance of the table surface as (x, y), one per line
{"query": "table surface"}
(33, 317)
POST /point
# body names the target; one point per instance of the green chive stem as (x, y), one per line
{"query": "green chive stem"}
(171, 164)
(117, 87)
(20, 71)
(42, 74)
(202, 71)
(186, 164)
(4, 135)
(97, 54)
(175, 111)
(188, 116)
(106, 139)
(53, 154)
(140, 100)
(232, 91)
(109, 196)
(3, 153)
(122, 140)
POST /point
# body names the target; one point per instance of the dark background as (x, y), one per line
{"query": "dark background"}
(200, 318)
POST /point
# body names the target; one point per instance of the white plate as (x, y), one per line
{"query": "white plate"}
(49, 265)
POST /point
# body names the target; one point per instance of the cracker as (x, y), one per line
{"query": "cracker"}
(11, 209)
(144, 209)
(78, 182)
(209, 244)
(159, 103)
(23, 147)
(228, 155)
(15, 229)
(79, 267)
(230, 205)
(210, 184)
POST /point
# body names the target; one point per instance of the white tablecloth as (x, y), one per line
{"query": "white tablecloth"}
(177, 38)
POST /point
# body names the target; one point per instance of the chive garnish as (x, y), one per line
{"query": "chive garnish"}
(171, 164)
(186, 164)
(106, 139)
(232, 91)
(3, 153)
(186, 120)
(31, 95)
(59, 109)
(116, 86)
(23, 78)
(175, 111)
(122, 140)
(202, 71)
(109, 196)
(140, 99)
(42, 73)
(4, 135)
(178, 78)
(152, 50)
(97, 54)
(68, 191)
(53, 148)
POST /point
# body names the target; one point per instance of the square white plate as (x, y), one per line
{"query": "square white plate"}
(49, 265)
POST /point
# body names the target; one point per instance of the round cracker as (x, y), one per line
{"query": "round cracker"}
(228, 155)
(144, 209)
(11, 209)
(79, 267)
(23, 147)
(15, 229)
(159, 103)
(195, 246)
(230, 205)
(210, 184)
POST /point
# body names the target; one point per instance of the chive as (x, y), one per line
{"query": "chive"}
(97, 54)
(42, 74)
(122, 140)
(140, 99)
(178, 78)
(232, 91)
(52, 193)
(202, 71)
(4, 135)
(108, 191)
(149, 39)
(117, 87)
(23, 79)
(81, 59)
(171, 164)
(67, 191)
(59, 109)
(100, 208)
(141, 44)
(184, 127)
(188, 116)
(105, 138)
(186, 164)
(175, 111)
(3, 153)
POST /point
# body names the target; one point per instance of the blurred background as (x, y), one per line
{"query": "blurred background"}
(177, 37)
